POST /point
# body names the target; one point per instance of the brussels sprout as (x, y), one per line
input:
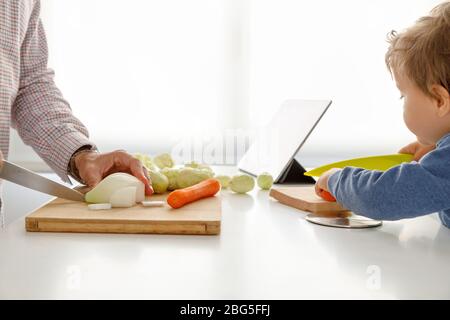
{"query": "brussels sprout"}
(164, 161)
(140, 156)
(265, 181)
(242, 183)
(224, 180)
(171, 174)
(160, 182)
(208, 172)
(192, 164)
(146, 161)
(196, 165)
(189, 176)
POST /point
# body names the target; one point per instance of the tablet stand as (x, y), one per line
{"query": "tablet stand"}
(294, 174)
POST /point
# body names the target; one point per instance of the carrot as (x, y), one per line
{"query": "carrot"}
(204, 189)
(327, 196)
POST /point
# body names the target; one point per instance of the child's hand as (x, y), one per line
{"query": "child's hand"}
(417, 149)
(322, 184)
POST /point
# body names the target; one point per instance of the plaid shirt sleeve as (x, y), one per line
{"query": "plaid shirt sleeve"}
(40, 114)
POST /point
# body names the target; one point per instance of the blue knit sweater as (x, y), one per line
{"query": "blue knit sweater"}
(406, 191)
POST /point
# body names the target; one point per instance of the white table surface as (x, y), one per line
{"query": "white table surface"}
(265, 251)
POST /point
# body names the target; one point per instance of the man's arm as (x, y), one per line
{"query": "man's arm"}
(405, 191)
(40, 114)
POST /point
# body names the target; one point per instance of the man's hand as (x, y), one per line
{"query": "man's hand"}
(93, 167)
(322, 183)
(417, 149)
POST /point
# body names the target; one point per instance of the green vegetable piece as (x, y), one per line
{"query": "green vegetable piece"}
(265, 181)
(192, 164)
(242, 183)
(160, 182)
(196, 165)
(208, 172)
(224, 180)
(146, 161)
(171, 174)
(164, 161)
(189, 176)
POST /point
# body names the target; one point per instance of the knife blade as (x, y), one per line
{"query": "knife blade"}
(24, 177)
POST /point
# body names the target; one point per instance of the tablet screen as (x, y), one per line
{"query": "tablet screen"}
(277, 143)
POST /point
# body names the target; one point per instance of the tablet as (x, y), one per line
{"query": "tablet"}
(275, 146)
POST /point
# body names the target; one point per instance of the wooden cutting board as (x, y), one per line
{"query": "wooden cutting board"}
(202, 217)
(305, 198)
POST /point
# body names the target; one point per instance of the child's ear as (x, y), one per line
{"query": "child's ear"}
(442, 99)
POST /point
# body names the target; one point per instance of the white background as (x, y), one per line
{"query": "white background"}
(144, 74)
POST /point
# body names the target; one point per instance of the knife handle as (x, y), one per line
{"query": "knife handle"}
(327, 196)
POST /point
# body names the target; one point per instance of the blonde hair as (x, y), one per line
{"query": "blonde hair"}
(422, 52)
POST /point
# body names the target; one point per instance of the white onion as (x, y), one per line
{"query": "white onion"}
(123, 198)
(107, 187)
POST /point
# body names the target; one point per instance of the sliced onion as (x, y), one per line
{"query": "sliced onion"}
(153, 203)
(99, 206)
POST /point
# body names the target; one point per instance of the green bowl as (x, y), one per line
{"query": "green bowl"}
(382, 163)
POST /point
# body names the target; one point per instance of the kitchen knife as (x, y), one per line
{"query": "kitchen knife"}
(382, 163)
(29, 179)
